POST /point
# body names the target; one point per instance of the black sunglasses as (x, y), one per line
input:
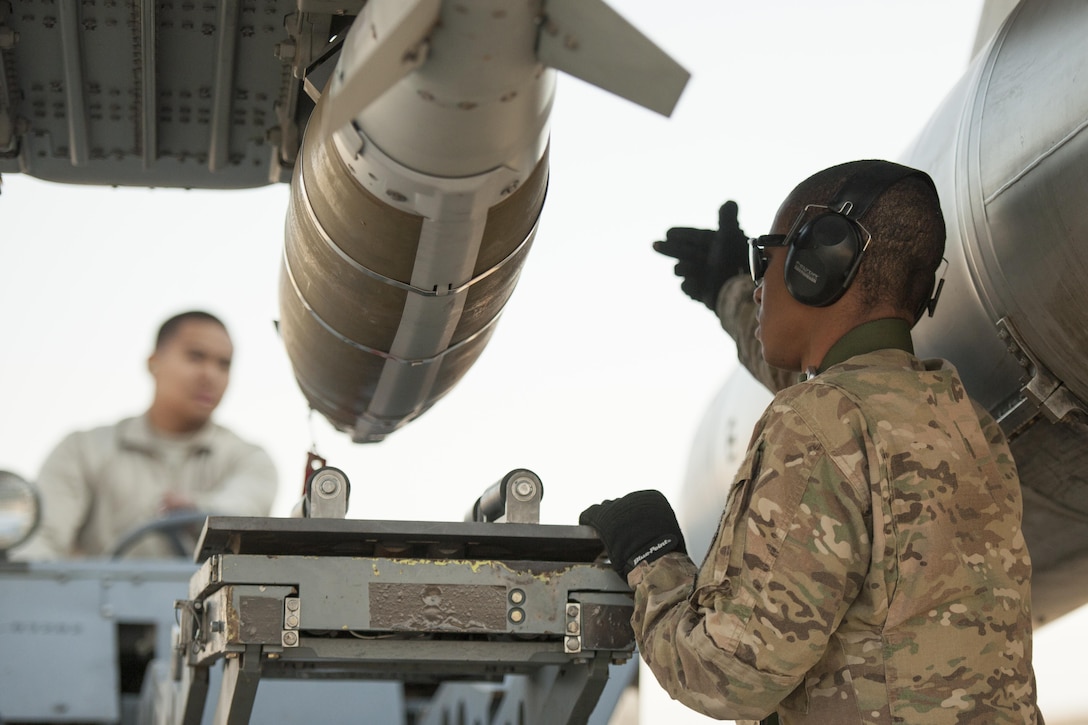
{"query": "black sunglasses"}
(757, 259)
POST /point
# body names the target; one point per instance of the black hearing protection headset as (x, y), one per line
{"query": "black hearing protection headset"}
(826, 242)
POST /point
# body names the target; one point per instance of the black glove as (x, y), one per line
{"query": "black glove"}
(639, 527)
(705, 258)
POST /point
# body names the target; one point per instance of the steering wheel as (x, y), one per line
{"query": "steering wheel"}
(171, 526)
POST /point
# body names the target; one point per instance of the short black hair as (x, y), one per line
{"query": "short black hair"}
(170, 328)
(908, 229)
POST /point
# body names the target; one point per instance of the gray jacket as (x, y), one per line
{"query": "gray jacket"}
(99, 484)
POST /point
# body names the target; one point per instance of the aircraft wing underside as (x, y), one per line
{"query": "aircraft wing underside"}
(158, 94)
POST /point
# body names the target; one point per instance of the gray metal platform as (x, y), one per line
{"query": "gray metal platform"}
(428, 604)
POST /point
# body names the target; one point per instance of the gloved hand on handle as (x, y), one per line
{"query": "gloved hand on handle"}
(639, 527)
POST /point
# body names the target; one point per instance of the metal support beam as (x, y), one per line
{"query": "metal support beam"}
(566, 695)
(193, 694)
(72, 59)
(149, 90)
(225, 63)
(241, 675)
(8, 40)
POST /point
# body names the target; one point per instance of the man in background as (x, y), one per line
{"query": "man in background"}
(97, 485)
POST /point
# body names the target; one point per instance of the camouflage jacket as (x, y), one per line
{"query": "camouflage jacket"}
(869, 566)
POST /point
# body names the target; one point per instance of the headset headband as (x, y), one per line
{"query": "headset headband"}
(864, 187)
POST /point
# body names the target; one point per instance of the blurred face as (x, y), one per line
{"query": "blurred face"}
(191, 371)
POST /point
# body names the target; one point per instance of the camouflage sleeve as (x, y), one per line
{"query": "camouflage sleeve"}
(793, 547)
(737, 313)
(995, 436)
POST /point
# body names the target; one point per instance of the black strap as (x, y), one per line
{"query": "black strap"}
(866, 186)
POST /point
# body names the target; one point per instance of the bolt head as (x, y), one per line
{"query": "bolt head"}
(523, 489)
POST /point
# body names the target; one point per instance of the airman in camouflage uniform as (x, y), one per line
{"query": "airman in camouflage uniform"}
(869, 566)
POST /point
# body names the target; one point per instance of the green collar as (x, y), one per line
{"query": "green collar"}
(887, 333)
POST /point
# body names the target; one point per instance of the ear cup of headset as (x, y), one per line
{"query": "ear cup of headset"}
(822, 259)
